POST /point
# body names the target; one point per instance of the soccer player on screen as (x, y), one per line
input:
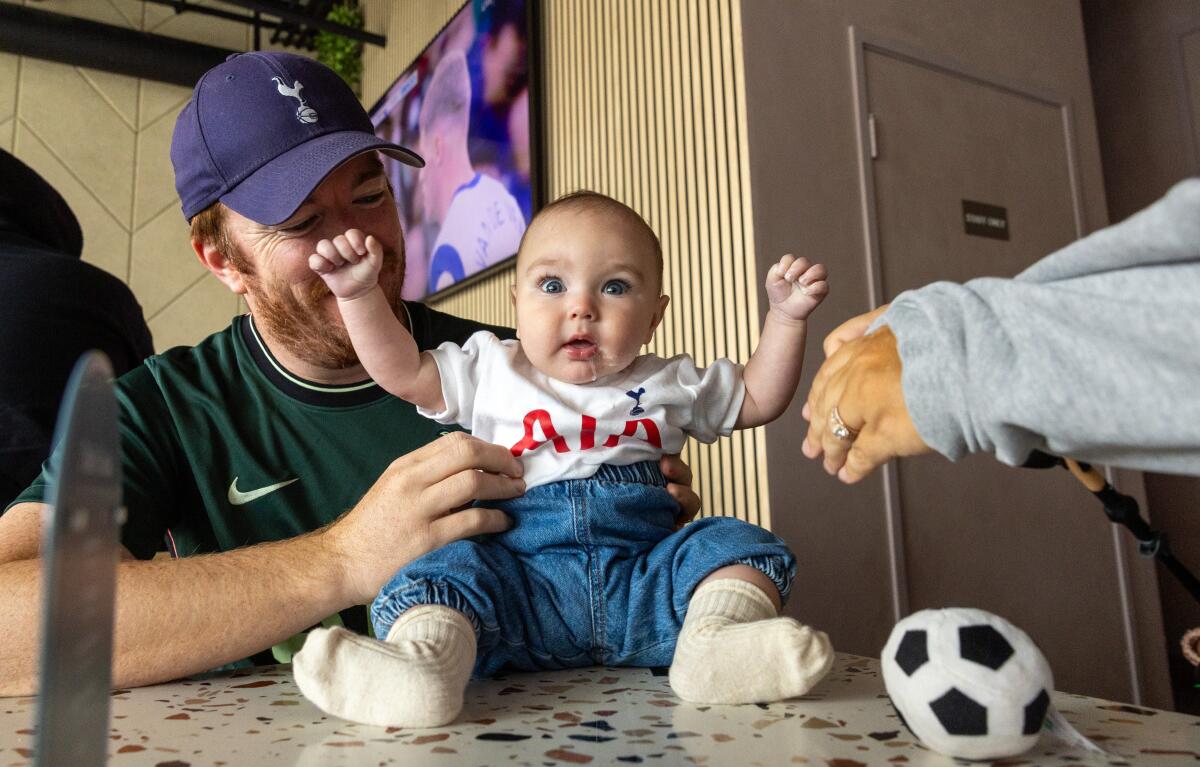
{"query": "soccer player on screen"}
(480, 223)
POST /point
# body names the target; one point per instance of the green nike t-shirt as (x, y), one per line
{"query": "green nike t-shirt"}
(224, 448)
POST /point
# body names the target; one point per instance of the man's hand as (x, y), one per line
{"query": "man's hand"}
(349, 263)
(419, 504)
(795, 287)
(679, 485)
(862, 379)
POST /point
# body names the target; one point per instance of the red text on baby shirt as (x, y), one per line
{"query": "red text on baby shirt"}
(587, 433)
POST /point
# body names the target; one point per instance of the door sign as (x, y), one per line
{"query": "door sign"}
(983, 220)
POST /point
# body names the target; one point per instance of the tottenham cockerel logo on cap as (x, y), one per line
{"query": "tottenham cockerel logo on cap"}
(304, 113)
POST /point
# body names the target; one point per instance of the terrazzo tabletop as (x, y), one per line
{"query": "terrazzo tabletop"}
(584, 716)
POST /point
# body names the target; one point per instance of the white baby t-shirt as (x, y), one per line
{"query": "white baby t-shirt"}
(566, 431)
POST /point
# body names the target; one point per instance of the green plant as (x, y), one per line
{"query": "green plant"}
(342, 54)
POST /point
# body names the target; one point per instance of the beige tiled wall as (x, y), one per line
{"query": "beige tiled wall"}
(102, 140)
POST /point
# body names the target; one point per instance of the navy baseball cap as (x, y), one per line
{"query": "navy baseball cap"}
(263, 129)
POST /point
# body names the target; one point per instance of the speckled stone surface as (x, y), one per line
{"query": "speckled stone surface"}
(586, 716)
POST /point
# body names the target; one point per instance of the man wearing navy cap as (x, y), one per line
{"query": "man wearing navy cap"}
(287, 486)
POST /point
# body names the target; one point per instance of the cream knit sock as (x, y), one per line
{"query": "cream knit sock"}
(414, 679)
(732, 648)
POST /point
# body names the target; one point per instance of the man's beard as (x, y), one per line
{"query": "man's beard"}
(295, 318)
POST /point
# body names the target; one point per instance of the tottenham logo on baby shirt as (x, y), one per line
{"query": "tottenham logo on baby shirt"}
(304, 113)
(637, 400)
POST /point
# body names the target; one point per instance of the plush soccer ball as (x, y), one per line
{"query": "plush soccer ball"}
(967, 683)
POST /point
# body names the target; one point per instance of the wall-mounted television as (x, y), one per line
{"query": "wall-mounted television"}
(464, 104)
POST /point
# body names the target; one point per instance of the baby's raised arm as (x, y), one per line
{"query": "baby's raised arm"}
(349, 264)
(794, 288)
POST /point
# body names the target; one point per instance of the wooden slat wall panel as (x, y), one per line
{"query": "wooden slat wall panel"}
(408, 25)
(644, 100)
(486, 301)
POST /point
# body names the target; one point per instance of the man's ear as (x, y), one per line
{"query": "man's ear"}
(215, 261)
(657, 318)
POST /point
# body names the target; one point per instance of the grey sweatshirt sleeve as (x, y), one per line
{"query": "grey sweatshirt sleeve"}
(1092, 353)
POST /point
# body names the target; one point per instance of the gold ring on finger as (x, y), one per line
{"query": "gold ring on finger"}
(838, 427)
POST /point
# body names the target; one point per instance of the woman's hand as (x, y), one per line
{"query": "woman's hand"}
(861, 379)
(855, 327)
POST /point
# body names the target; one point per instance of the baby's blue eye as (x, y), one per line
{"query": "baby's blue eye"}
(615, 288)
(552, 285)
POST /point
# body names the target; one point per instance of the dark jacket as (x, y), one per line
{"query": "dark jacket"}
(53, 307)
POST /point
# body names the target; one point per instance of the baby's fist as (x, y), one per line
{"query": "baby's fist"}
(795, 287)
(349, 263)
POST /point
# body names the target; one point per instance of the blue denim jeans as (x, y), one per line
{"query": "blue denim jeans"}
(591, 573)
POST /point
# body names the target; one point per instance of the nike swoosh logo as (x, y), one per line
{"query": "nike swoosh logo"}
(237, 497)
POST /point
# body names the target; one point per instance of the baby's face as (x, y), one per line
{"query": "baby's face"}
(587, 295)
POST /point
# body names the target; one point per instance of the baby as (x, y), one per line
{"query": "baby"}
(593, 570)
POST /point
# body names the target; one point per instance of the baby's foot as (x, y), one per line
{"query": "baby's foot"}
(414, 679)
(727, 623)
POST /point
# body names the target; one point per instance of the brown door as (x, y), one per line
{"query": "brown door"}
(1029, 545)
(1191, 74)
